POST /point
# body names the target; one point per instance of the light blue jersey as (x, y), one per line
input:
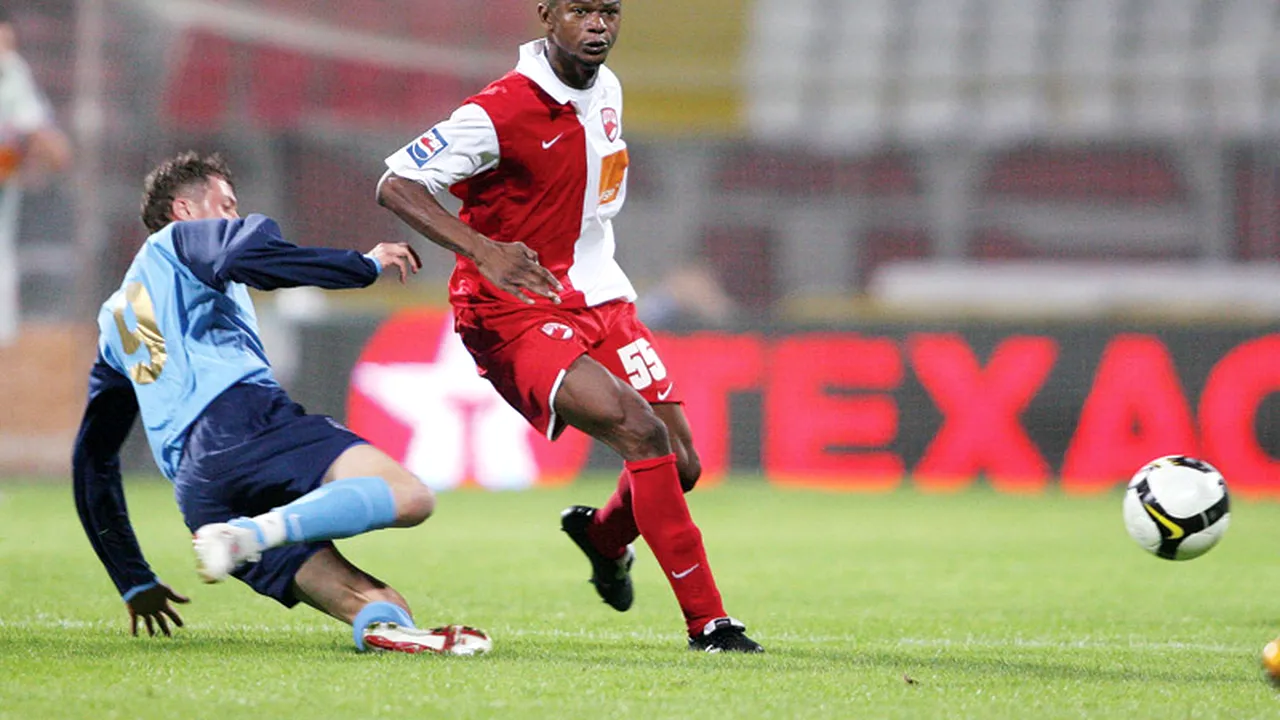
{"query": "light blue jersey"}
(180, 342)
(178, 334)
(182, 328)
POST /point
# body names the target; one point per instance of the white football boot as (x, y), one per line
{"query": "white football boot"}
(446, 640)
(221, 548)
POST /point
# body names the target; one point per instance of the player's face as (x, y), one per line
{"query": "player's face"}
(213, 200)
(585, 30)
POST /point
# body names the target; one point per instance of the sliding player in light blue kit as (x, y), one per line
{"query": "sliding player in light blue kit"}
(264, 486)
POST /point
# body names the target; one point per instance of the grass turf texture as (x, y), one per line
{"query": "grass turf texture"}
(895, 606)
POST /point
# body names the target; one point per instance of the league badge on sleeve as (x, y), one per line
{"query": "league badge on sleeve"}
(427, 147)
(612, 127)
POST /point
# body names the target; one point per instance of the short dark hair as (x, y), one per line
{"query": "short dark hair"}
(173, 177)
(5, 17)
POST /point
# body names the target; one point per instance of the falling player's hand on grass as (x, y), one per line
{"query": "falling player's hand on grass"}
(515, 268)
(152, 605)
(399, 254)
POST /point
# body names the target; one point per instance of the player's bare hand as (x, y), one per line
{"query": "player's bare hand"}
(515, 268)
(152, 605)
(398, 254)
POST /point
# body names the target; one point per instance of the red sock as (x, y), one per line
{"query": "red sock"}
(663, 518)
(614, 525)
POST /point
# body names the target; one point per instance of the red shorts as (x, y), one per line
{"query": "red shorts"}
(525, 352)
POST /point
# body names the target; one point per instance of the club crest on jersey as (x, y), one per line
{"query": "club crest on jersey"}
(427, 147)
(557, 331)
(612, 128)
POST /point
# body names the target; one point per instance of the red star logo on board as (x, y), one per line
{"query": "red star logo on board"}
(416, 395)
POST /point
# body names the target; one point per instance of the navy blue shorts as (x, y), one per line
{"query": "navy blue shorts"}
(253, 449)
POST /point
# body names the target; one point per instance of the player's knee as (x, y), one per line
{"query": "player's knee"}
(415, 504)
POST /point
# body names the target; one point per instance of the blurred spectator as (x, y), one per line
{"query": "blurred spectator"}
(689, 295)
(31, 149)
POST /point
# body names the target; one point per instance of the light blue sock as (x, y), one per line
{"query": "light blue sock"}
(380, 611)
(339, 509)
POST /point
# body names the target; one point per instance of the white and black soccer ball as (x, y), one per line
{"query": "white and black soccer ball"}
(1177, 507)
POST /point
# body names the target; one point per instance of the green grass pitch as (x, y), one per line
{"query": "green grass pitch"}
(901, 605)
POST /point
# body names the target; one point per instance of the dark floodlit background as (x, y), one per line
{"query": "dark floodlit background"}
(1074, 170)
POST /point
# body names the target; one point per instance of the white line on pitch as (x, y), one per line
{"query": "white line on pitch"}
(1084, 644)
(47, 622)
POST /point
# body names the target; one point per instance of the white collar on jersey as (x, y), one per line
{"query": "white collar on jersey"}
(534, 65)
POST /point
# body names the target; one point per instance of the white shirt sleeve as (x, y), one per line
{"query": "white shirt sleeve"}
(461, 147)
(22, 107)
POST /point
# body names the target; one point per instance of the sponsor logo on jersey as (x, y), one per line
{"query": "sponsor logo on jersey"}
(557, 331)
(613, 170)
(612, 127)
(427, 147)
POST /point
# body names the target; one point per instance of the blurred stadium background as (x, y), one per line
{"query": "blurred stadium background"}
(830, 181)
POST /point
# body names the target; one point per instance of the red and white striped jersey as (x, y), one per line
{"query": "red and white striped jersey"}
(536, 161)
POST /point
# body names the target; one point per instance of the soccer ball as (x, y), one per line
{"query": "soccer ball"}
(1177, 507)
(1271, 661)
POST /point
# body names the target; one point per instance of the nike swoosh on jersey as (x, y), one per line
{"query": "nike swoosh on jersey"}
(546, 145)
(682, 575)
(662, 395)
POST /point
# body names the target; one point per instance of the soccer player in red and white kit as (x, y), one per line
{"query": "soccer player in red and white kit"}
(538, 160)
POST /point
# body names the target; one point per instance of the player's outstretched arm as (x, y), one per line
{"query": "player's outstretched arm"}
(251, 250)
(513, 267)
(99, 495)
